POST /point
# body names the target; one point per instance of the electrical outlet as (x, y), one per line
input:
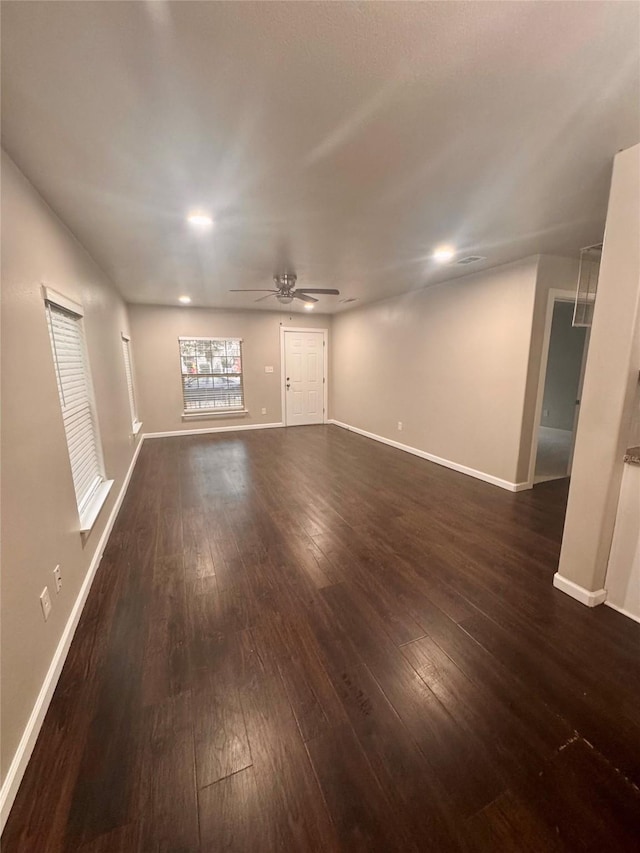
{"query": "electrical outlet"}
(545, 413)
(264, 411)
(400, 426)
(57, 574)
(45, 603)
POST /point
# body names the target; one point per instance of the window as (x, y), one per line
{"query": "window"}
(211, 371)
(128, 369)
(78, 408)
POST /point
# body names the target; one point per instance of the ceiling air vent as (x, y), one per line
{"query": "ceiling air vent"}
(348, 299)
(471, 259)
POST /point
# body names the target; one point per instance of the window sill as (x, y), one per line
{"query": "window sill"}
(136, 428)
(214, 413)
(90, 513)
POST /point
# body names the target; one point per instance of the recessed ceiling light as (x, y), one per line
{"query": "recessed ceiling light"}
(184, 299)
(200, 219)
(443, 254)
(309, 306)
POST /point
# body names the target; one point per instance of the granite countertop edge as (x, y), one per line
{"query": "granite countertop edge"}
(632, 456)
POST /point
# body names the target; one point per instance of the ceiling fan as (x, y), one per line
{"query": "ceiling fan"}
(286, 290)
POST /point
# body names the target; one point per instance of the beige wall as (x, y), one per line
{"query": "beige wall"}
(451, 362)
(39, 515)
(622, 581)
(610, 384)
(154, 340)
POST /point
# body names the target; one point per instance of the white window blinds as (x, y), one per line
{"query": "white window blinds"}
(76, 400)
(211, 371)
(128, 369)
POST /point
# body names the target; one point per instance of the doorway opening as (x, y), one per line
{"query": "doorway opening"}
(566, 349)
(303, 357)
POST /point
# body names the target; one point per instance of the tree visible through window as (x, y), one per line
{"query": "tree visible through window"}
(211, 371)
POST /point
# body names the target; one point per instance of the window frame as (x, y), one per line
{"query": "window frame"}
(132, 395)
(217, 411)
(90, 504)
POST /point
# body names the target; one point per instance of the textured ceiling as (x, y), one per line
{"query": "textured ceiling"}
(346, 139)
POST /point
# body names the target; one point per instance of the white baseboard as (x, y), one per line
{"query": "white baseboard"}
(210, 429)
(627, 613)
(585, 596)
(446, 463)
(34, 724)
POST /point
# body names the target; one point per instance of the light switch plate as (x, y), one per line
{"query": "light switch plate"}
(45, 603)
(268, 369)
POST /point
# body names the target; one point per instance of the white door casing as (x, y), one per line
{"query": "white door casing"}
(303, 376)
(576, 415)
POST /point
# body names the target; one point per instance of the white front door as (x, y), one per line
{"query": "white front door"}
(304, 377)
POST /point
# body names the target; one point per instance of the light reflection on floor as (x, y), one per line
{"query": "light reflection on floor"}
(554, 449)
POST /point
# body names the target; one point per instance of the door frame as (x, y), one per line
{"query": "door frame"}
(325, 369)
(576, 416)
(554, 295)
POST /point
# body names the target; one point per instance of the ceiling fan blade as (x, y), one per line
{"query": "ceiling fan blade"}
(330, 291)
(260, 298)
(249, 290)
(304, 297)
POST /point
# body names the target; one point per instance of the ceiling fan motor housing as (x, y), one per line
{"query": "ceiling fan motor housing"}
(286, 282)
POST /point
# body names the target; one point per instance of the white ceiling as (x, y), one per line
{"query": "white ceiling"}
(351, 138)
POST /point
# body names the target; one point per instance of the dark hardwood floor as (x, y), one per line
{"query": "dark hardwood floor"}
(303, 640)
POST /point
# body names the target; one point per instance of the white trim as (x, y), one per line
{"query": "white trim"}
(576, 413)
(208, 338)
(446, 463)
(553, 295)
(62, 301)
(34, 724)
(212, 413)
(127, 356)
(211, 429)
(624, 612)
(304, 329)
(585, 596)
(92, 510)
(325, 368)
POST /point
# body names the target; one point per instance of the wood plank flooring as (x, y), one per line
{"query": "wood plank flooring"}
(301, 640)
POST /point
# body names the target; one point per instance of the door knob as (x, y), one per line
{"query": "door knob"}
(288, 386)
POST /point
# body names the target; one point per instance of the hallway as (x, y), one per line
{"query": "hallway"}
(552, 458)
